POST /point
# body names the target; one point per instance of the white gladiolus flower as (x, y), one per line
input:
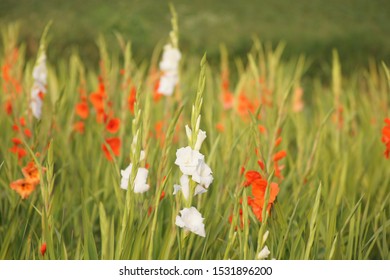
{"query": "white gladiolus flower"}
(168, 83)
(170, 59)
(264, 253)
(187, 159)
(140, 185)
(184, 186)
(203, 174)
(170, 67)
(39, 86)
(200, 139)
(191, 220)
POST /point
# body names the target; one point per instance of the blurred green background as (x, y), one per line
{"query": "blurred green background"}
(359, 29)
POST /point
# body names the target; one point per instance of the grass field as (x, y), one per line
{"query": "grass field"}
(254, 159)
(358, 29)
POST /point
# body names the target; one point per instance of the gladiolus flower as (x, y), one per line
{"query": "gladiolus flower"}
(43, 249)
(184, 186)
(264, 253)
(279, 155)
(191, 220)
(203, 174)
(140, 185)
(115, 145)
(24, 187)
(113, 125)
(169, 65)
(82, 110)
(39, 87)
(187, 159)
(386, 137)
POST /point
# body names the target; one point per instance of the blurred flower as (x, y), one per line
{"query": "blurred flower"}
(115, 145)
(82, 109)
(43, 249)
(39, 86)
(170, 59)
(113, 125)
(386, 137)
(191, 220)
(23, 187)
(140, 185)
(169, 65)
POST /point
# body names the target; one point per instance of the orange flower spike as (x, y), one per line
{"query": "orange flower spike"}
(23, 187)
(280, 155)
(113, 125)
(82, 110)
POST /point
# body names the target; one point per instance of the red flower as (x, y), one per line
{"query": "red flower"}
(115, 145)
(132, 99)
(43, 249)
(259, 187)
(386, 137)
(82, 110)
(113, 125)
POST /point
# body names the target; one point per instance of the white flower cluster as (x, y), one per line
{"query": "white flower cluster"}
(191, 163)
(39, 86)
(169, 65)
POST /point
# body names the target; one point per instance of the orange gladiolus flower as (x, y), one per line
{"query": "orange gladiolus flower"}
(31, 172)
(259, 187)
(228, 100)
(280, 155)
(115, 145)
(386, 137)
(23, 187)
(113, 125)
(82, 109)
(43, 249)
(132, 99)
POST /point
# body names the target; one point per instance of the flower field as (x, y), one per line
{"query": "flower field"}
(171, 158)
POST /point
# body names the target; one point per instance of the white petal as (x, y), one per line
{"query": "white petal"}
(199, 140)
(191, 220)
(264, 253)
